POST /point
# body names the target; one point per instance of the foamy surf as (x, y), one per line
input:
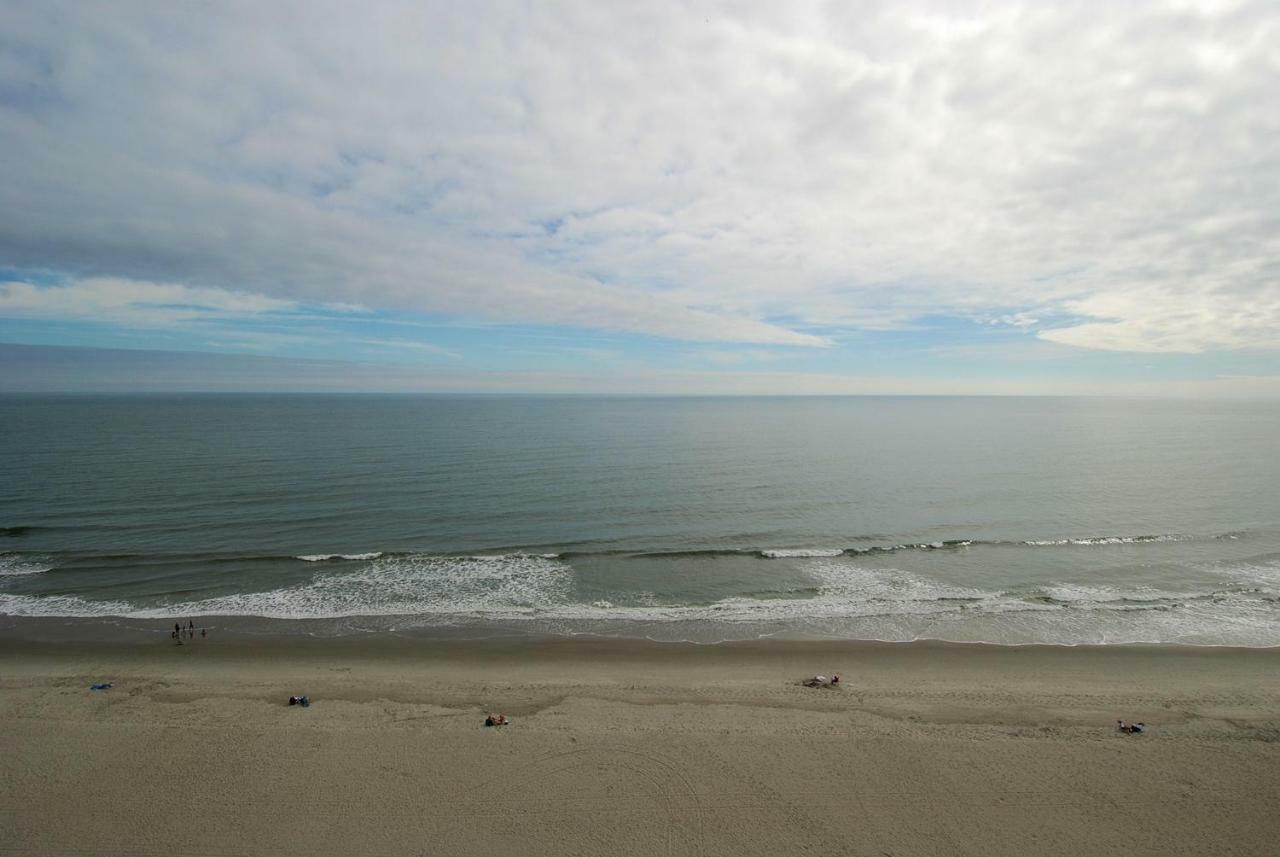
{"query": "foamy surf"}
(66, 606)
(1108, 540)
(14, 565)
(843, 599)
(409, 585)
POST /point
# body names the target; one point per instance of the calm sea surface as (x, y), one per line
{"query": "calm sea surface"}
(1003, 520)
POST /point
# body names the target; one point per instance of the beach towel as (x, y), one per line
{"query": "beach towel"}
(106, 686)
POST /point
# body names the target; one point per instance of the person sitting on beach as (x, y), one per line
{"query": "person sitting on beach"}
(1122, 726)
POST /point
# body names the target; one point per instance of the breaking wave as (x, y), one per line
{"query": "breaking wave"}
(894, 547)
(1109, 540)
(939, 545)
(16, 565)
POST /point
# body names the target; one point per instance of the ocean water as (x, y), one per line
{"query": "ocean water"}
(1008, 520)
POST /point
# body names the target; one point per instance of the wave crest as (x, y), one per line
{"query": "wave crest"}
(17, 565)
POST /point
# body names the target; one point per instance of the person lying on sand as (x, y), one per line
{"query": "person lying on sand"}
(821, 681)
(496, 720)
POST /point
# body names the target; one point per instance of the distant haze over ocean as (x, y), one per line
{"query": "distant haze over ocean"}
(75, 369)
(1007, 520)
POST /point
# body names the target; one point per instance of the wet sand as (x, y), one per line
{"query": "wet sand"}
(621, 748)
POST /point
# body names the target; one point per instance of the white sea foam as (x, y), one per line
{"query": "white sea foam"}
(408, 585)
(324, 557)
(1082, 595)
(846, 599)
(16, 565)
(1104, 540)
(1259, 578)
(787, 553)
(71, 606)
(1257, 572)
(854, 583)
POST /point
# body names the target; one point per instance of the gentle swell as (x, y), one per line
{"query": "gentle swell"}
(768, 553)
(861, 550)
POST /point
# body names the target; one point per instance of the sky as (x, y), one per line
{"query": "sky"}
(987, 198)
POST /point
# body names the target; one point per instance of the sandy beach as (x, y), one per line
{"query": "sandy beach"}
(622, 747)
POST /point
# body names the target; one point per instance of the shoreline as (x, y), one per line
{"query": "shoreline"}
(50, 635)
(228, 628)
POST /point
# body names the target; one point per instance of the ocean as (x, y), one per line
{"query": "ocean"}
(1002, 520)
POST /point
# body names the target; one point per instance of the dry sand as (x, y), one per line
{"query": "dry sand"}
(620, 748)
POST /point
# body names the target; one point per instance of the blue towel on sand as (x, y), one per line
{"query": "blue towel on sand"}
(106, 686)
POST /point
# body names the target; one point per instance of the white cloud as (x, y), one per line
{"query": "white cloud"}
(133, 303)
(1192, 318)
(1017, 319)
(766, 175)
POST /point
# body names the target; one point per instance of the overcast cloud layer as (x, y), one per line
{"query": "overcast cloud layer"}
(1106, 177)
